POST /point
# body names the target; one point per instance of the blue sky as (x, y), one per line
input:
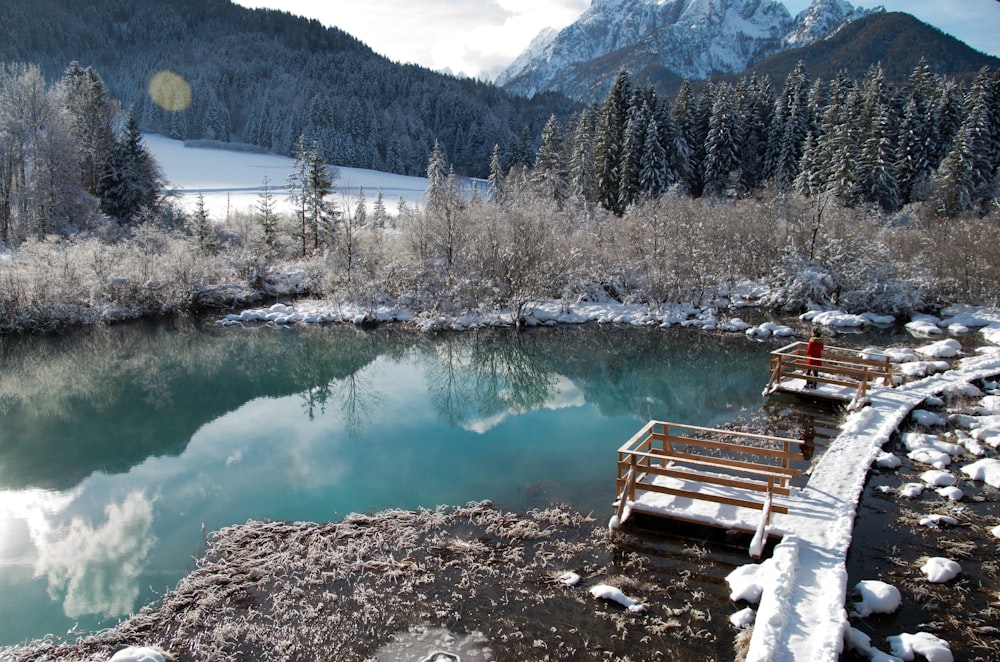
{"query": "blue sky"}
(480, 37)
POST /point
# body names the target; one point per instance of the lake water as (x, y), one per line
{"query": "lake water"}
(122, 448)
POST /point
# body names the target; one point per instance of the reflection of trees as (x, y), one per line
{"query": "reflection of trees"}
(108, 397)
(356, 399)
(484, 373)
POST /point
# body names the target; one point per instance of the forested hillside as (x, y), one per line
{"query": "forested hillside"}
(266, 77)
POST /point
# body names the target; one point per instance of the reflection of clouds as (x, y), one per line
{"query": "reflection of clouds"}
(25, 518)
(98, 567)
(564, 394)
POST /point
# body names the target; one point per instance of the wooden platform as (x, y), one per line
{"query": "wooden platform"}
(845, 375)
(709, 476)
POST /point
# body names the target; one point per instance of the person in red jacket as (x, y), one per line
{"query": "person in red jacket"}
(814, 350)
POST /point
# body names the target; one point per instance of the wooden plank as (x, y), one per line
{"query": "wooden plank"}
(748, 435)
(720, 479)
(715, 498)
(749, 467)
(750, 450)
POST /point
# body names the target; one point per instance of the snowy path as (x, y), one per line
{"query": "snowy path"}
(801, 615)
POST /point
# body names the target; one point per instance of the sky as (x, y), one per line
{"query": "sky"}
(479, 38)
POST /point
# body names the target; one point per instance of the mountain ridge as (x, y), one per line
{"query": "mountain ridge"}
(693, 39)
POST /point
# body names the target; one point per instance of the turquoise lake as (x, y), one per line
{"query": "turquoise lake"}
(122, 448)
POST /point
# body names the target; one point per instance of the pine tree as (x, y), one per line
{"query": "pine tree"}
(266, 216)
(361, 208)
(610, 144)
(379, 213)
(309, 184)
(131, 180)
(202, 228)
(437, 175)
(654, 174)
(791, 126)
(956, 176)
(722, 144)
(583, 169)
(550, 175)
(495, 191)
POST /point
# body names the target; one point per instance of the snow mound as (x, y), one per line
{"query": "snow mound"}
(862, 643)
(943, 349)
(770, 329)
(895, 354)
(743, 618)
(986, 470)
(938, 478)
(885, 460)
(877, 597)
(928, 418)
(918, 369)
(747, 581)
(139, 654)
(924, 326)
(835, 318)
(911, 490)
(940, 570)
(951, 492)
(612, 594)
(569, 578)
(908, 646)
(936, 520)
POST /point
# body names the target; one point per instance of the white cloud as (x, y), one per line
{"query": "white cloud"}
(473, 37)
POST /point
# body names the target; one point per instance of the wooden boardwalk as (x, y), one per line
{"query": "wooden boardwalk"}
(845, 375)
(736, 480)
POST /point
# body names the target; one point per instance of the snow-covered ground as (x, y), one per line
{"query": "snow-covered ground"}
(232, 181)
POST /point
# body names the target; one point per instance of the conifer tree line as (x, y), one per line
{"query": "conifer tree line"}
(863, 143)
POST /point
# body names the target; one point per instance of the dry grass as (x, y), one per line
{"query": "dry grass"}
(483, 577)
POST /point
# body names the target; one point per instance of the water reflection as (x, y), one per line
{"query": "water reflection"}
(120, 446)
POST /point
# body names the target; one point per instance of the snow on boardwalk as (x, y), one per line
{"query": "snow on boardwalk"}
(801, 615)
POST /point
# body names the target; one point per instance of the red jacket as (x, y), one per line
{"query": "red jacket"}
(814, 350)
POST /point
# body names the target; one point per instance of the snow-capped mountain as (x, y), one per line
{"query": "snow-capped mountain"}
(823, 18)
(691, 38)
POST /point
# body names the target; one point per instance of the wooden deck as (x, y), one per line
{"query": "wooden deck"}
(709, 476)
(845, 374)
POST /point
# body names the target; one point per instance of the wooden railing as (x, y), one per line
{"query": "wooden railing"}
(839, 366)
(707, 465)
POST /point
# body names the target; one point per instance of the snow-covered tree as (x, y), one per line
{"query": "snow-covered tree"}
(550, 175)
(610, 144)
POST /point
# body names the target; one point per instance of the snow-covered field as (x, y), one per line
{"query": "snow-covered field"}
(232, 181)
